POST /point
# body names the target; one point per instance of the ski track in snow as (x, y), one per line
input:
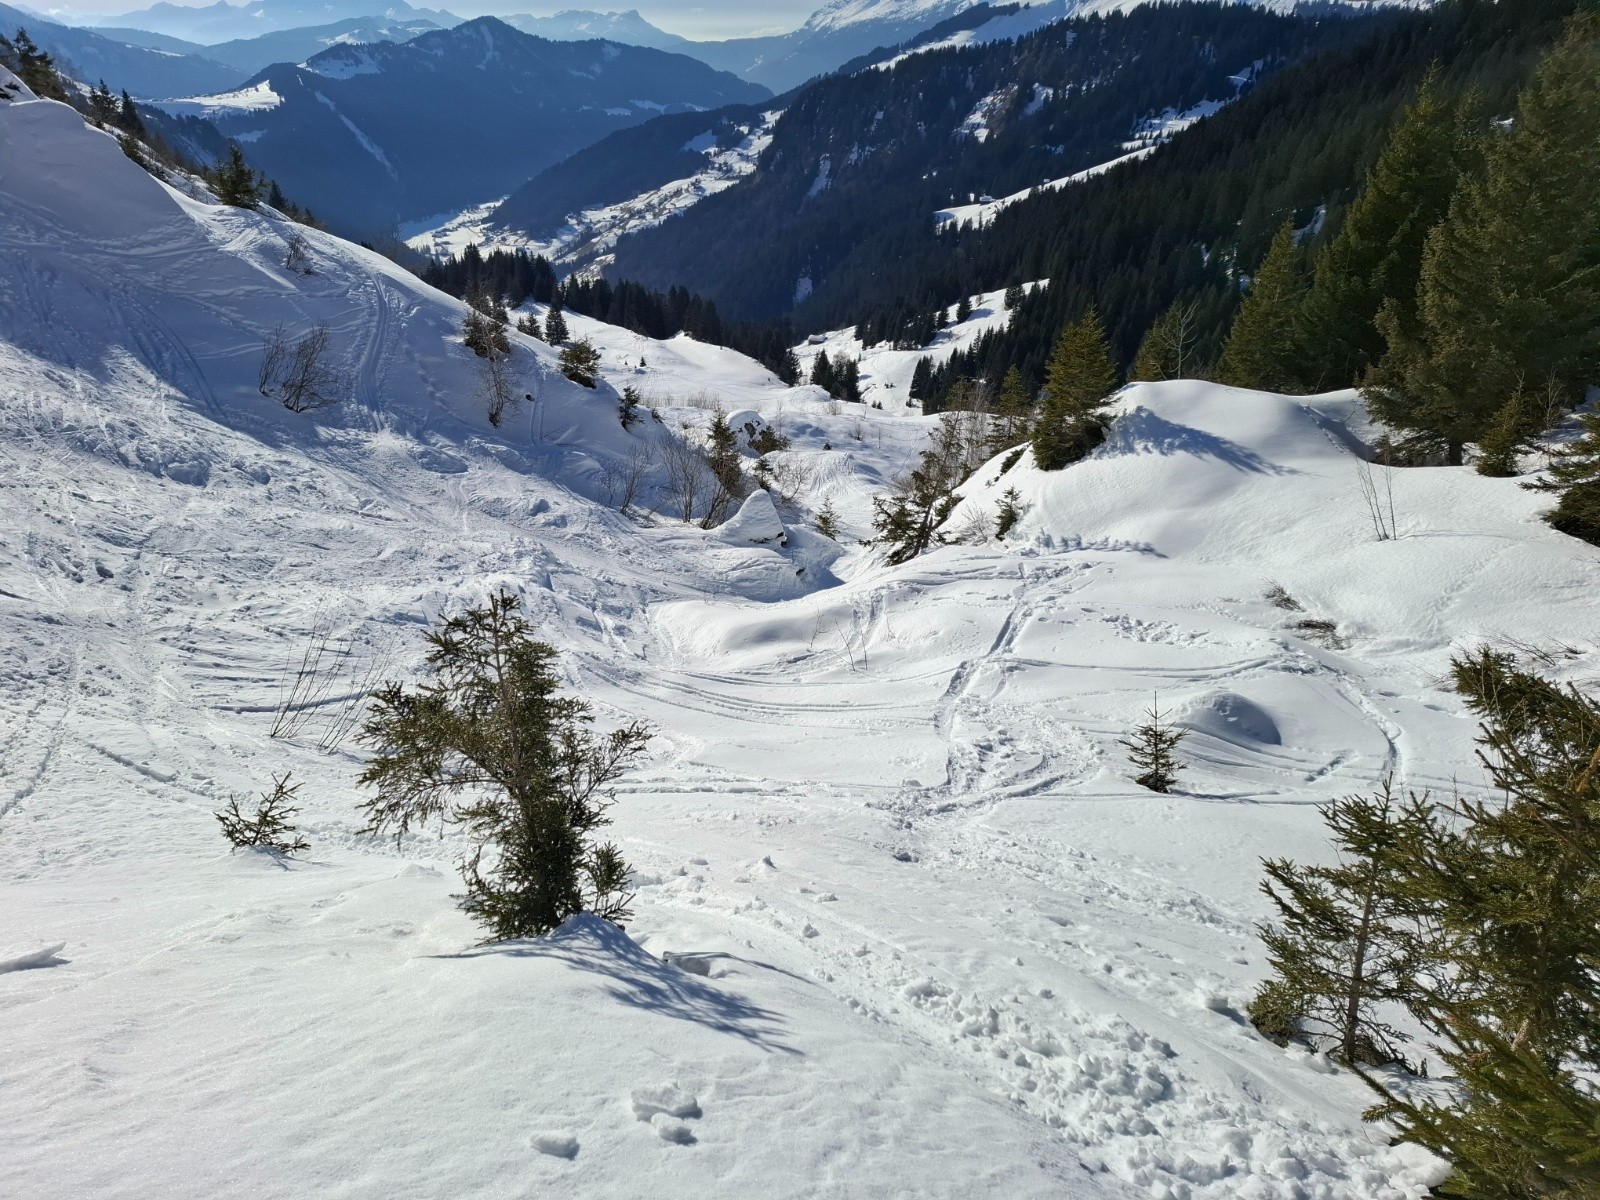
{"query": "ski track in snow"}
(930, 941)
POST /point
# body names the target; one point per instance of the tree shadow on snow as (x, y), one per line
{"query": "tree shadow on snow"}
(637, 978)
(1143, 432)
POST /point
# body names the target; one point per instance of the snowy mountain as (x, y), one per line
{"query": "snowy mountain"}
(903, 925)
(147, 73)
(368, 136)
(255, 54)
(578, 25)
(223, 22)
(571, 214)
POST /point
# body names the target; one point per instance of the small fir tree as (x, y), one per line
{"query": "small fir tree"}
(235, 183)
(555, 326)
(1013, 413)
(484, 336)
(827, 520)
(491, 745)
(580, 362)
(628, 406)
(1079, 380)
(1345, 945)
(1013, 299)
(1153, 751)
(528, 323)
(269, 827)
(963, 309)
(1513, 431)
(128, 118)
(1008, 513)
(1574, 475)
(1263, 347)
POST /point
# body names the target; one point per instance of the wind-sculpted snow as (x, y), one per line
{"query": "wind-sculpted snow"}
(903, 926)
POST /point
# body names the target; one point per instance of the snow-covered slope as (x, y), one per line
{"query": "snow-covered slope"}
(886, 373)
(588, 236)
(926, 939)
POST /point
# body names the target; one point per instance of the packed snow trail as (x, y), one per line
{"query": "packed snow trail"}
(904, 929)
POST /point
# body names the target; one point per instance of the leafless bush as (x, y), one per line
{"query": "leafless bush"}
(1278, 596)
(494, 385)
(1378, 495)
(688, 479)
(308, 682)
(300, 375)
(297, 256)
(788, 479)
(623, 477)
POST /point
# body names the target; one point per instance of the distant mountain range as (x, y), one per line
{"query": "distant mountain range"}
(224, 22)
(146, 72)
(247, 56)
(372, 135)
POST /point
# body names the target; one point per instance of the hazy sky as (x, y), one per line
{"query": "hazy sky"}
(689, 18)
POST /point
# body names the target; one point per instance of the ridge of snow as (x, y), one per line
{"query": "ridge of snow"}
(257, 97)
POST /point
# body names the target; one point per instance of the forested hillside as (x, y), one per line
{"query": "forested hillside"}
(860, 163)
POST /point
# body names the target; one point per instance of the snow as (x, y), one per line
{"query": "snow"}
(257, 98)
(886, 373)
(357, 60)
(588, 237)
(904, 928)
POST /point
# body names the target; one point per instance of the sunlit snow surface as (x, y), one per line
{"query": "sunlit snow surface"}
(932, 942)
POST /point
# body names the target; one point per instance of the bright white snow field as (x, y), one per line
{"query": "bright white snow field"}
(934, 943)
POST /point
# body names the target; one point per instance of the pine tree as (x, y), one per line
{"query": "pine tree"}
(34, 67)
(822, 375)
(1510, 280)
(1012, 414)
(1153, 751)
(847, 380)
(1078, 383)
(235, 183)
(789, 369)
(628, 406)
(1263, 348)
(827, 520)
(580, 362)
(1514, 887)
(1345, 943)
(1007, 513)
(1170, 347)
(1575, 476)
(1013, 299)
(269, 826)
(128, 117)
(555, 326)
(1513, 430)
(484, 336)
(963, 309)
(102, 105)
(491, 745)
(1376, 254)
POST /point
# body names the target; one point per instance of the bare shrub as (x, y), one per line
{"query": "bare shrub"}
(301, 375)
(688, 479)
(1278, 596)
(622, 478)
(297, 256)
(494, 385)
